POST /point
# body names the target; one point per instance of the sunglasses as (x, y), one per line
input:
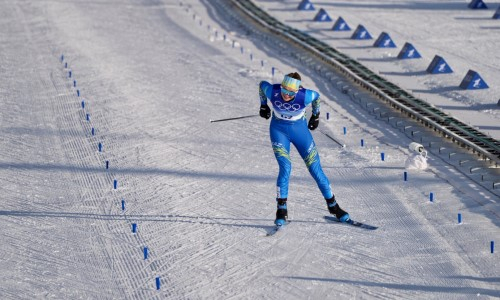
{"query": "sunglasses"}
(287, 92)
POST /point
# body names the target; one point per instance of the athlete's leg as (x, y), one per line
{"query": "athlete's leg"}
(281, 147)
(302, 139)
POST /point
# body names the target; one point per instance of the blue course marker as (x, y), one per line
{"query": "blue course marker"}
(157, 283)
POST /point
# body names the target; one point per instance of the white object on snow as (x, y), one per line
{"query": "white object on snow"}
(416, 162)
(416, 147)
(418, 159)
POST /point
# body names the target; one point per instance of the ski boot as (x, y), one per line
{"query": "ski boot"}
(281, 212)
(334, 209)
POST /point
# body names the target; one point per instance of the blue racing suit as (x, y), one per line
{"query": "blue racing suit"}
(289, 125)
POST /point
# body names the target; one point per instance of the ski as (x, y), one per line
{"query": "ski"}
(277, 229)
(352, 222)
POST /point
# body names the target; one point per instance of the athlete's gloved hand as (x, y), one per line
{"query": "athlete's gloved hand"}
(313, 122)
(265, 111)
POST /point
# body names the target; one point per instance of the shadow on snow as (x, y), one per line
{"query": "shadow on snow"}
(413, 287)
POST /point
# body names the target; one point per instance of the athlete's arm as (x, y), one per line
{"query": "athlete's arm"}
(265, 91)
(312, 97)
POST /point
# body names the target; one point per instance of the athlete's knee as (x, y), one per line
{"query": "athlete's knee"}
(281, 152)
(311, 156)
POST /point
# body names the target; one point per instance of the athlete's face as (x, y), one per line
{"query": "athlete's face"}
(287, 94)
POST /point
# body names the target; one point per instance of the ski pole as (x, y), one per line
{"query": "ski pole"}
(235, 118)
(331, 138)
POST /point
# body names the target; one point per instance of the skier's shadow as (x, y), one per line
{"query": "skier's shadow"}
(142, 218)
(218, 221)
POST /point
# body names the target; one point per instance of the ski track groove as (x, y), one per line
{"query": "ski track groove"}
(76, 146)
(92, 199)
(111, 144)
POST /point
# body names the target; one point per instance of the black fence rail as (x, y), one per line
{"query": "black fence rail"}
(466, 136)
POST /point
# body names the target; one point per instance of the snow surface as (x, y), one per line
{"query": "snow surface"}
(152, 75)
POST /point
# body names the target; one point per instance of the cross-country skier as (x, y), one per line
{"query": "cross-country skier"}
(288, 125)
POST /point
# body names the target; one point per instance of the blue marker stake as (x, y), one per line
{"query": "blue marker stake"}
(431, 197)
(328, 116)
(93, 131)
(157, 283)
(88, 117)
(145, 252)
(65, 65)
(83, 103)
(107, 164)
(134, 228)
(123, 205)
(345, 130)
(62, 58)
(272, 71)
(492, 246)
(405, 175)
(382, 156)
(69, 74)
(99, 146)
(78, 93)
(459, 218)
(115, 184)
(362, 143)
(74, 83)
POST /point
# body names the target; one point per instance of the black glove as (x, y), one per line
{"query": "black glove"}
(265, 111)
(313, 122)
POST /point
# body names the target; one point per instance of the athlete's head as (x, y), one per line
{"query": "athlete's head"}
(290, 85)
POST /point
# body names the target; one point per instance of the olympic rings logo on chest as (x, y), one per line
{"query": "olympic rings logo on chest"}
(287, 106)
